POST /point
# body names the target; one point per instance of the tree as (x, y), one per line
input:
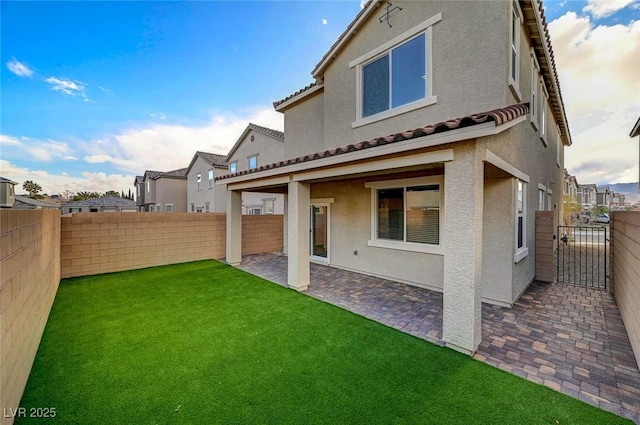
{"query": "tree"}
(570, 209)
(112, 193)
(33, 189)
(83, 196)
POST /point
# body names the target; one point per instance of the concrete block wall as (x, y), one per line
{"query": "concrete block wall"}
(109, 242)
(29, 278)
(625, 271)
(545, 244)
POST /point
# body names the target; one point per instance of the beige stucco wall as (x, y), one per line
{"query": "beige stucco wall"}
(199, 197)
(268, 149)
(467, 73)
(172, 191)
(257, 199)
(350, 229)
(29, 278)
(150, 196)
(625, 272)
(304, 127)
(110, 242)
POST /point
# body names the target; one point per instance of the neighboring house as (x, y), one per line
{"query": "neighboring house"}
(418, 154)
(139, 184)
(102, 204)
(587, 196)
(25, 203)
(202, 195)
(258, 146)
(603, 197)
(570, 185)
(164, 191)
(618, 200)
(635, 132)
(7, 193)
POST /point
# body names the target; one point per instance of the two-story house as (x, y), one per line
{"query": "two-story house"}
(202, 195)
(163, 191)
(255, 147)
(7, 192)
(418, 154)
(603, 197)
(570, 185)
(139, 184)
(587, 196)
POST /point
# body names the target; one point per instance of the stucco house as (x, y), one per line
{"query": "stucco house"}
(419, 152)
(603, 196)
(255, 147)
(202, 195)
(588, 196)
(102, 204)
(162, 191)
(7, 192)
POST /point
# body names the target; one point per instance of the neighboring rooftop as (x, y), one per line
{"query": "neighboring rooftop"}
(24, 202)
(105, 201)
(4, 180)
(276, 134)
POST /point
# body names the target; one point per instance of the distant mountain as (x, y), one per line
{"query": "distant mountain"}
(622, 187)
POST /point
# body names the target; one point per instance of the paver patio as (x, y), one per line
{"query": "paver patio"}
(565, 337)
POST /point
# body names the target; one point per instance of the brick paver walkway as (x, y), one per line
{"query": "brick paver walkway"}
(568, 338)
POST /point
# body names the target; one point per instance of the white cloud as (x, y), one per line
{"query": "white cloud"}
(8, 140)
(168, 147)
(19, 68)
(39, 150)
(604, 8)
(72, 88)
(324, 22)
(159, 116)
(57, 183)
(597, 66)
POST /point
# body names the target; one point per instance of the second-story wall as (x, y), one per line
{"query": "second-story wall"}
(268, 150)
(171, 192)
(205, 194)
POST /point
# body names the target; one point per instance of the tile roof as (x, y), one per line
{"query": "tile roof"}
(4, 180)
(174, 174)
(34, 202)
(499, 116)
(213, 158)
(291, 96)
(276, 134)
(105, 201)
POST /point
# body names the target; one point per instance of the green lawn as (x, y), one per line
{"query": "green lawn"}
(204, 343)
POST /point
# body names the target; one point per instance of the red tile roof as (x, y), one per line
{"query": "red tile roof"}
(499, 116)
(302, 90)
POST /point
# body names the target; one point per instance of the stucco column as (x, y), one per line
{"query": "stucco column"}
(298, 235)
(462, 236)
(285, 249)
(234, 227)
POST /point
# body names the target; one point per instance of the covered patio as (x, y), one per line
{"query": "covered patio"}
(567, 338)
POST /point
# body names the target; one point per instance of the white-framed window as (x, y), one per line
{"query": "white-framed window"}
(168, 207)
(395, 77)
(541, 198)
(206, 207)
(198, 180)
(210, 178)
(148, 183)
(535, 78)
(74, 210)
(193, 207)
(549, 200)
(152, 208)
(514, 49)
(543, 113)
(253, 162)
(137, 190)
(268, 205)
(233, 167)
(407, 214)
(521, 221)
(254, 211)
(158, 208)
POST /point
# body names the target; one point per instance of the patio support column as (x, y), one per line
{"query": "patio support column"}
(285, 240)
(462, 237)
(298, 235)
(234, 227)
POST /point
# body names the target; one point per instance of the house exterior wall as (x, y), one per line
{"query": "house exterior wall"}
(468, 74)
(29, 278)
(150, 196)
(350, 229)
(257, 199)
(7, 194)
(140, 195)
(171, 191)
(198, 197)
(268, 149)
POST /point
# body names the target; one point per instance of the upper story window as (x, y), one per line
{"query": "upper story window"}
(521, 221)
(543, 113)
(253, 162)
(268, 205)
(233, 167)
(137, 190)
(198, 180)
(148, 186)
(559, 147)
(210, 179)
(535, 78)
(514, 49)
(396, 77)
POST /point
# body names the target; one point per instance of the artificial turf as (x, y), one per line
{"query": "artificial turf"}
(204, 343)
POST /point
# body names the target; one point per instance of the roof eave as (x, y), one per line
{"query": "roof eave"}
(281, 107)
(636, 129)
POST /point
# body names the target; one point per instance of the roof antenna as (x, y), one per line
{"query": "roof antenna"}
(389, 12)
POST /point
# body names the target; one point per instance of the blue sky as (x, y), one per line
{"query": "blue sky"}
(93, 93)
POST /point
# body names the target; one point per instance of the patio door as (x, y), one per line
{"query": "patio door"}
(319, 233)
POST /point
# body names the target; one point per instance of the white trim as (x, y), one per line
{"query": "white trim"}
(495, 160)
(514, 83)
(542, 187)
(391, 112)
(322, 201)
(535, 94)
(559, 145)
(314, 258)
(167, 206)
(402, 245)
(397, 40)
(273, 181)
(520, 254)
(298, 97)
(523, 251)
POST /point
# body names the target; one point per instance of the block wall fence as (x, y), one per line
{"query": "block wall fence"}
(109, 242)
(29, 278)
(625, 272)
(39, 247)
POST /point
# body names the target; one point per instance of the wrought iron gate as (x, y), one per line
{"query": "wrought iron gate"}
(582, 256)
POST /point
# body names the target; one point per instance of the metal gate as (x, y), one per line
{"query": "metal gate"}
(582, 256)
